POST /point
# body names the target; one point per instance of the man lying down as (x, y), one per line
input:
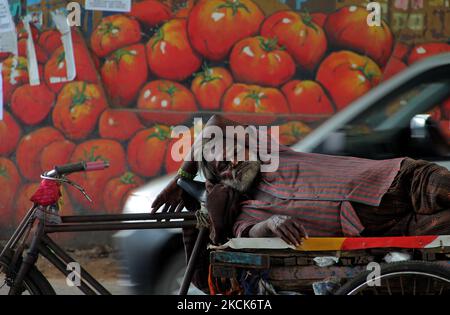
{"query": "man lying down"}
(316, 195)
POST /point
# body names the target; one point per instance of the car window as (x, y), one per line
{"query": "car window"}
(397, 111)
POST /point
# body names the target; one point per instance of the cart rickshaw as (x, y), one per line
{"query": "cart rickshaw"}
(413, 265)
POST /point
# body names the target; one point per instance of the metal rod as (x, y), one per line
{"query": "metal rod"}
(85, 227)
(18, 232)
(202, 234)
(61, 266)
(29, 260)
(68, 259)
(127, 217)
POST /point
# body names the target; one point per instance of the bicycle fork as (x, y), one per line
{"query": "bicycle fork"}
(29, 260)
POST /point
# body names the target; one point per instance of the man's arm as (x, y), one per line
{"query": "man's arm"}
(288, 228)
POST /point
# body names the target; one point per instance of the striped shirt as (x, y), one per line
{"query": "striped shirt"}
(320, 190)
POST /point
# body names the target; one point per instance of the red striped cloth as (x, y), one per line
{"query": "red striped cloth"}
(320, 190)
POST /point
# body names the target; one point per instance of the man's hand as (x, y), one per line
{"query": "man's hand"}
(174, 199)
(287, 228)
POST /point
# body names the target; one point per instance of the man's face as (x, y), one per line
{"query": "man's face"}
(239, 175)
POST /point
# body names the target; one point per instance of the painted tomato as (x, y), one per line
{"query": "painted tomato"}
(292, 132)
(118, 189)
(9, 182)
(41, 54)
(123, 73)
(56, 67)
(23, 203)
(169, 53)
(259, 60)
(50, 39)
(177, 149)
(319, 18)
(420, 52)
(114, 32)
(15, 74)
(184, 10)
(29, 151)
(147, 149)
(393, 67)
(305, 41)
(56, 153)
(347, 28)
(210, 85)
(4, 55)
(94, 182)
(307, 101)
(10, 133)
(23, 34)
(150, 12)
(214, 26)
(254, 104)
(347, 76)
(167, 98)
(78, 108)
(401, 51)
(32, 103)
(119, 125)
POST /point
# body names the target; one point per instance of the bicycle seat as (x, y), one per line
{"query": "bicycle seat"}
(194, 188)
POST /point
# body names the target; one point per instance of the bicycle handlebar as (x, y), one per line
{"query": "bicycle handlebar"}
(81, 167)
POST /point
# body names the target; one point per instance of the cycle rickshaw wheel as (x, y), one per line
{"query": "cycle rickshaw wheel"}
(34, 283)
(401, 278)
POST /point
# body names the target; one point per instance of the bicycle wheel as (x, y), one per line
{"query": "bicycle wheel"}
(34, 283)
(401, 278)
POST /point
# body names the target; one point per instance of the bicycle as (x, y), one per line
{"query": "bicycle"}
(18, 273)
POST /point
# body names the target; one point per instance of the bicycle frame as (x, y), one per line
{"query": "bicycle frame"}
(42, 244)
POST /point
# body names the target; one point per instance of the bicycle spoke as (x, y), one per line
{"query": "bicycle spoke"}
(401, 285)
(389, 286)
(414, 286)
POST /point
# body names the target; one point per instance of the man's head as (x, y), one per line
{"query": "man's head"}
(227, 169)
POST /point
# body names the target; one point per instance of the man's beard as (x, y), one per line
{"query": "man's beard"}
(243, 175)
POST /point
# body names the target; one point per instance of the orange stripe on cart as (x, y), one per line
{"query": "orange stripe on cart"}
(321, 243)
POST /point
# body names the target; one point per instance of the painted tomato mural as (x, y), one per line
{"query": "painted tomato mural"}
(31, 104)
(123, 74)
(141, 73)
(214, 26)
(10, 133)
(347, 28)
(147, 149)
(9, 181)
(166, 98)
(169, 53)
(114, 32)
(94, 182)
(14, 74)
(303, 38)
(259, 60)
(347, 76)
(307, 100)
(254, 104)
(77, 109)
(210, 85)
